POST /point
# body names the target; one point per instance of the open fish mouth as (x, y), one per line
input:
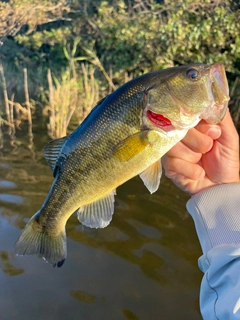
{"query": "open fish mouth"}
(220, 95)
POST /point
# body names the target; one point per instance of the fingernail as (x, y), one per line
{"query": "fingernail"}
(210, 148)
(214, 132)
(203, 173)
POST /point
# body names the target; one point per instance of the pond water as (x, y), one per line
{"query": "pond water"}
(142, 266)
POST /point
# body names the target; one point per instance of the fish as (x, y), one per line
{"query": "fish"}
(124, 135)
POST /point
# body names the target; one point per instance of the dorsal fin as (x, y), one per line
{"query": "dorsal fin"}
(52, 150)
(101, 101)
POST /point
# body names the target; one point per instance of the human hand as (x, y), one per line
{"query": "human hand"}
(207, 156)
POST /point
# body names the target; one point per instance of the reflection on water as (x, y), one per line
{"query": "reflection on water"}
(83, 296)
(7, 267)
(4, 184)
(11, 198)
(129, 315)
(142, 266)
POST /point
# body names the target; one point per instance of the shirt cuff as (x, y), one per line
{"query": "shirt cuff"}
(216, 214)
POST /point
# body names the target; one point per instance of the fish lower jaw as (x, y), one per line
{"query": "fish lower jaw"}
(215, 114)
(186, 122)
(180, 126)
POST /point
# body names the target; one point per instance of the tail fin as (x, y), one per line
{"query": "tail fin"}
(36, 240)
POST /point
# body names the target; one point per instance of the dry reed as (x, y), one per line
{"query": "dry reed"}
(71, 95)
(62, 97)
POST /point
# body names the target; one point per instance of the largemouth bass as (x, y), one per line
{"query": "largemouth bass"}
(125, 135)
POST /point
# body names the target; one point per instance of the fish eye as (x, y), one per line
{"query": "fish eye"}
(192, 74)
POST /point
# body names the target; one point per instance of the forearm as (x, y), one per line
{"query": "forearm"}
(216, 214)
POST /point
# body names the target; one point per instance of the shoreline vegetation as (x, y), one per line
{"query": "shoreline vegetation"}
(59, 58)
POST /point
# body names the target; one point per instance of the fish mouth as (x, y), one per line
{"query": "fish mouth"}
(220, 95)
(160, 121)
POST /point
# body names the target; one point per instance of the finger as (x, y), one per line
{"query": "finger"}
(213, 131)
(197, 141)
(229, 136)
(175, 167)
(181, 151)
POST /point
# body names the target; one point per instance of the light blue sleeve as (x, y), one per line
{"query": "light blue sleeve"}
(216, 214)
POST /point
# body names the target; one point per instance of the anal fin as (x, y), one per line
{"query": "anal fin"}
(152, 175)
(97, 214)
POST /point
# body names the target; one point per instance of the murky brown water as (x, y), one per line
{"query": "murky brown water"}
(142, 266)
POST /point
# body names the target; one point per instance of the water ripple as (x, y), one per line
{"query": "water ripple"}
(7, 184)
(9, 198)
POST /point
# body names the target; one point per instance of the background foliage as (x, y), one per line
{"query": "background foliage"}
(118, 39)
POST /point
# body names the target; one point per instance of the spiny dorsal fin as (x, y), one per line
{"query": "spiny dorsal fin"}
(97, 214)
(152, 175)
(131, 146)
(52, 150)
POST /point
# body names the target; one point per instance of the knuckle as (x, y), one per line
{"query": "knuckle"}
(170, 174)
(205, 145)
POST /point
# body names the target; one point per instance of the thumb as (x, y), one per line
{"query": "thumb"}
(229, 136)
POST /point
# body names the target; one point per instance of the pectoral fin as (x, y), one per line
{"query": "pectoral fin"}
(131, 146)
(97, 214)
(151, 176)
(52, 150)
